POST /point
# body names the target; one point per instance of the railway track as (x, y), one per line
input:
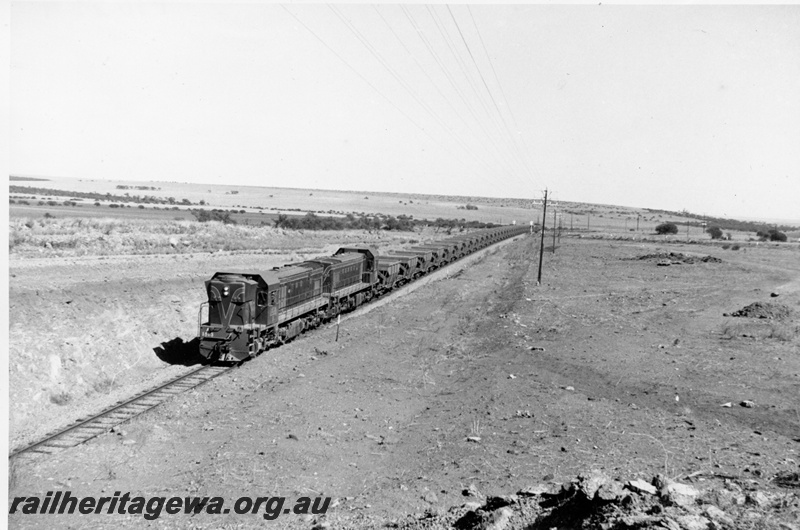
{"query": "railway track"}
(89, 427)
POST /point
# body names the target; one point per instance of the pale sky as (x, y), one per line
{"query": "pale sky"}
(674, 107)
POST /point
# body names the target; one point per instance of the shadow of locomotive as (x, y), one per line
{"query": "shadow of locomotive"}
(181, 353)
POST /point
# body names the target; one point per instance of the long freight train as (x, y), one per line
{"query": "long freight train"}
(249, 312)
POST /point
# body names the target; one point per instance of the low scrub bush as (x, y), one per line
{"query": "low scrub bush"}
(715, 232)
(667, 228)
(60, 398)
(205, 216)
(771, 235)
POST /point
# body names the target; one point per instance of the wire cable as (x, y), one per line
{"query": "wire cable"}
(497, 79)
(375, 53)
(373, 87)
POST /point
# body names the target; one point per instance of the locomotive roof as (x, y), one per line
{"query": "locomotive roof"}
(344, 257)
(249, 275)
(292, 270)
(272, 277)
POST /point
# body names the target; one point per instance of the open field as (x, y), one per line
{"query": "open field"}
(259, 202)
(621, 361)
(41, 225)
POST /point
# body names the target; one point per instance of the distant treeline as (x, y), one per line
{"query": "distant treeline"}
(146, 199)
(13, 178)
(123, 187)
(726, 224)
(312, 221)
(405, 223)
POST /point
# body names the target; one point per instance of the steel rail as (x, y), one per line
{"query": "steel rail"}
(85, 429)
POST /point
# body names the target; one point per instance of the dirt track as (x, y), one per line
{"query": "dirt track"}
(614, 364)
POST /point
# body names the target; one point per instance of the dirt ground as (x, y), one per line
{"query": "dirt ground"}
(484, 379)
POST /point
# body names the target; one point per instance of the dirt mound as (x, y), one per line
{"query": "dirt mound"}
(594, 500)
(678, 258)
(762, 310)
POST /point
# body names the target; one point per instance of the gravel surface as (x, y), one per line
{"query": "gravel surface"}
(483, 380)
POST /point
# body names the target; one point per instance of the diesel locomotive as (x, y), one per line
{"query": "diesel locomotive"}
(249, 312)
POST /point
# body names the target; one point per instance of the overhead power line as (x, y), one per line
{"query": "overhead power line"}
(377, 55)
(425, 72)
(449, 77)
(482, 116)
(488, 91)
(497, 80)
(373, 87)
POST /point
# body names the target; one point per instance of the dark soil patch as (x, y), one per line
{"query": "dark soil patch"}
(679, 258)
(763, 310)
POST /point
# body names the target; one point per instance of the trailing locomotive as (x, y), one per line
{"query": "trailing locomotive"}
(249, 312)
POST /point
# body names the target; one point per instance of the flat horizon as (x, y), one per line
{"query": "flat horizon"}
(775, 220)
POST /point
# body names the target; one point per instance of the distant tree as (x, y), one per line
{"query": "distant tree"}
(774, 235)
(280, 221)
(214, 215)
(771, 235)
(715, 232)
(667, 228)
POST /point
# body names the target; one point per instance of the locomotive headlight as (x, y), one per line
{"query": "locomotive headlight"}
(225, 291)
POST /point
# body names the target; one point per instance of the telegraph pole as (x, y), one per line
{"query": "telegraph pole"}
(541, 244)
(554, 230)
